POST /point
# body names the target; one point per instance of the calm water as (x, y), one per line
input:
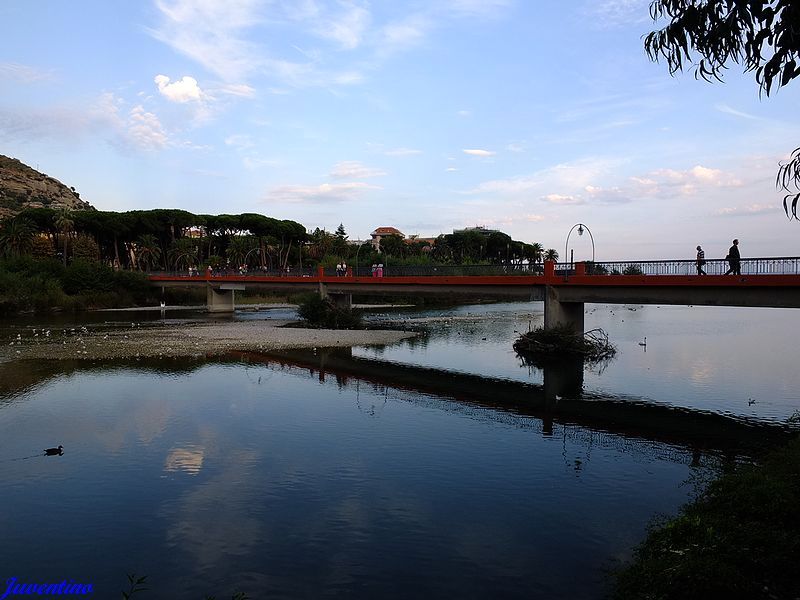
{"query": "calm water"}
(284, 482)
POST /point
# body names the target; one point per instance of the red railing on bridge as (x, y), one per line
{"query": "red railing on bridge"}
(616, 269)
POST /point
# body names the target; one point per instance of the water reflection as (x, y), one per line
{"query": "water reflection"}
(439, 467)
(286, 479)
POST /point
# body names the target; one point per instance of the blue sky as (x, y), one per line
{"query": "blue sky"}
(521, 115)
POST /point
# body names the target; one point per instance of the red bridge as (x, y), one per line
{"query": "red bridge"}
(564, 288)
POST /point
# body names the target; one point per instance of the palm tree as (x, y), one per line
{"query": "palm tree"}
(65, 224)
(551, 254)
(183, 253)
(240, 247)
(149, 251)
(536, 251)
(16, 237)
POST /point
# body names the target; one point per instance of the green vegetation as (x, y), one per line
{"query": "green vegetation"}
(30, 284)
(541, 345)
(96, 248)
(322, 313)
(739, 540)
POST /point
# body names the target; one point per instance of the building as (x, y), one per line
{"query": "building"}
(384, 232)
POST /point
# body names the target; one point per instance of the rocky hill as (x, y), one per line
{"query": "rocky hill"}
(23, 187)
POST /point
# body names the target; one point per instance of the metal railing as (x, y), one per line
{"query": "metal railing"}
(444, 271)
(748, 266)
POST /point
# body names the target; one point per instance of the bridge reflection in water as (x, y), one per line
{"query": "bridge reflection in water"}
(560, 400)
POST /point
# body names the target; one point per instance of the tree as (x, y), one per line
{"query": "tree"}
(149, 251)
(183, 253)
(763, 36)
(534, 252)
(240, 247)
(551, 254)
(16, 237)
(393, 245)
(85, 248)
(64, 223)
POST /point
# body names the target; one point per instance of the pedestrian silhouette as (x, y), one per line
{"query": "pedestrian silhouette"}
(734, 259)
(701, 260)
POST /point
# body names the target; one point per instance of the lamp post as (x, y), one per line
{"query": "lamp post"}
(357, 251)
(581, 227)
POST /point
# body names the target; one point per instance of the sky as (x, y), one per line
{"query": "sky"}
(527, 116)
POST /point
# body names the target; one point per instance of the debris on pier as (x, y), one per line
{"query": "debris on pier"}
(542, 345)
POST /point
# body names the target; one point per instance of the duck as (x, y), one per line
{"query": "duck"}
(644, 343)
(54, 451)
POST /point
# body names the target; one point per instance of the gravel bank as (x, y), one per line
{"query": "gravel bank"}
(185, 340)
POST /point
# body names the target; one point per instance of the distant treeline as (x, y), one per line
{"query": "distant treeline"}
(147, 239)
(173, 239)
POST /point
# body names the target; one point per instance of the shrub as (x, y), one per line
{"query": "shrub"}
(324, 314)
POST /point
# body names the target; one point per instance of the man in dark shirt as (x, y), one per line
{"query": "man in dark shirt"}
(734, 259)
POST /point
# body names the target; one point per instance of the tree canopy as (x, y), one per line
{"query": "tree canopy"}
(763, 36)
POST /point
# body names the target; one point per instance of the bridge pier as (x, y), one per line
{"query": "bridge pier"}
(564, 314)
(222, 299)
(340, 299)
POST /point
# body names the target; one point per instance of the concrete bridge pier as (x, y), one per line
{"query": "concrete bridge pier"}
(221, 299)
(558, 313)
(339, 299)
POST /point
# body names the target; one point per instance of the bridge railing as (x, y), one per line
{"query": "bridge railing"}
(444, 271)
(254, 272)
(749, 266)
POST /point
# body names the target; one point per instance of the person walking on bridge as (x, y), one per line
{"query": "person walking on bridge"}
(701, 260)
(734, 259)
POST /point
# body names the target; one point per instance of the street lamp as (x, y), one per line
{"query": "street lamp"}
(581, 227)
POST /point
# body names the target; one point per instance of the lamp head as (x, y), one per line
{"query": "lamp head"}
(580, 229)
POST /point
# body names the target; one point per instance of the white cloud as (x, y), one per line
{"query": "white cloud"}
(23, 73)
(511, 220)
(477, 8)
(404, 34)
(563, 199)
(145, 130)
(402, 152)
(237, 89)
(748, 210)
(451, 169)
(326, 192)
(352, 169)
(618, 13)
(241, 141)
(478, 152)
(211, 33)
(724, 108)
(347, 28)
(181, 91)
(254, 162)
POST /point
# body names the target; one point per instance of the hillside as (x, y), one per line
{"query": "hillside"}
(23, 187)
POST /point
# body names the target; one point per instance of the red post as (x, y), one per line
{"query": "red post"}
(549, 269)
(349, 271)
(320, 271)
(580, 268)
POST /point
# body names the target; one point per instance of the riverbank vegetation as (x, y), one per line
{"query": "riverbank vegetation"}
(739, 540)
(322, 313)
(541, 345)
(29, 284)
(98, 251)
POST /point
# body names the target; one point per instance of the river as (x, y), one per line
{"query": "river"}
(382, 472)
